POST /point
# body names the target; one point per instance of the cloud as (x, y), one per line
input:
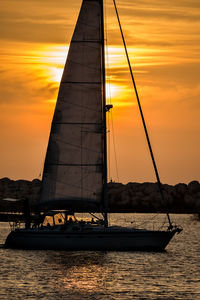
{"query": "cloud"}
(37, 21)
(28, 73)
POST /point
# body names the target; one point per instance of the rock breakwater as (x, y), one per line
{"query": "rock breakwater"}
(130, 197)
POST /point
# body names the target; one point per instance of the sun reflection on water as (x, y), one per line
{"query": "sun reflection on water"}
(83, 272)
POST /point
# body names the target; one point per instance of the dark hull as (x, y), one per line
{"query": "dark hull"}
(108, 240)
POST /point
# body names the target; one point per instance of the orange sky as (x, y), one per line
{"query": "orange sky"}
(164, 46)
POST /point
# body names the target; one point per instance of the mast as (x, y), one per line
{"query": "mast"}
(105, 202)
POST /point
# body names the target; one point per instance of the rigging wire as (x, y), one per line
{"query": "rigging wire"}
(110, 114)
(143, 120)
(139, 224)
(107, 74)
(109, 92)
(114, 147)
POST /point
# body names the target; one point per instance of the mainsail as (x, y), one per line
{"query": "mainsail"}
(74, 162)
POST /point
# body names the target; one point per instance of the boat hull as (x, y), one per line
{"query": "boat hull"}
(115, 240)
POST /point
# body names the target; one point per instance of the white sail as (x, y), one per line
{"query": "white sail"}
(74, 161)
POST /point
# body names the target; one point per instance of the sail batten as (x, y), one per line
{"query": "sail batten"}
(74, 161)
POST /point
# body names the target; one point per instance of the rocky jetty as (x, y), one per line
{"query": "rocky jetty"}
(20, 190)
(145, 197)
(131, 197)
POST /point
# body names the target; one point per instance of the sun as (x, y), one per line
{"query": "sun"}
(55, 74)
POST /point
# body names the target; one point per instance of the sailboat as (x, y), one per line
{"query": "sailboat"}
(75, 170)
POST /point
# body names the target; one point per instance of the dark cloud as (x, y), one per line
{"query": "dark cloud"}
(25, 87)
(45, 33)
(37, 21)
(53, 21)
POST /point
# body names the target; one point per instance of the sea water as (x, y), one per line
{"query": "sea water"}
(173, 274)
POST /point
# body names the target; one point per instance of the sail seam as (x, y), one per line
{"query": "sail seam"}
(77, 183)
(86, 41)
(68, 123)
(77, 146)
(82, 64)
(75, 165)
(82, 82)
(67, 103)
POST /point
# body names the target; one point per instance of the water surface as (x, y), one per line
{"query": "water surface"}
(174, 274)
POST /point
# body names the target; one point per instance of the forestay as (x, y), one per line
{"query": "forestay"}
(74, 160)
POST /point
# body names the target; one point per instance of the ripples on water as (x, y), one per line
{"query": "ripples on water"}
(174, 274)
